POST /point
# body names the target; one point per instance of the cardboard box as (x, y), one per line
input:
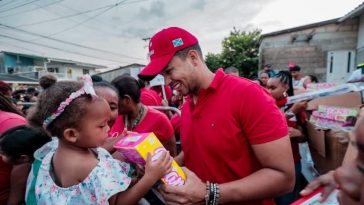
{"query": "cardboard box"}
(353, 99)
(135, 148)
(313, 198)
(327, 147)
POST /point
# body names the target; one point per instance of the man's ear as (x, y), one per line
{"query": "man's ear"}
(194, 56)
(71, 135)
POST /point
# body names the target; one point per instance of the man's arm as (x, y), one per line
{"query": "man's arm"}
(274, 179)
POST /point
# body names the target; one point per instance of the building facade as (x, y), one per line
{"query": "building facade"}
(132, 69)
(34, 67)
(329, 50)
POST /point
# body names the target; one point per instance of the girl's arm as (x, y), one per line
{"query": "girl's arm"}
(155, 169)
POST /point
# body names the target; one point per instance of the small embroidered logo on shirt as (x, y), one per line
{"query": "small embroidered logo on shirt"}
(177, 42)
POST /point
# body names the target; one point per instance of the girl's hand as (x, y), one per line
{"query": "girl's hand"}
(158, 165)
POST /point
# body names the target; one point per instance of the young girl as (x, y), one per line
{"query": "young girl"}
(107, 91)
(280, 86)
(18, 144)
(77, 171)
(17, 147)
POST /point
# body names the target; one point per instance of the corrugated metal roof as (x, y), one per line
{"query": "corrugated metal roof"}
(76, 63)
(354, 13)
(10, 78)
(89, 65)
(299, 28)
(122, 67)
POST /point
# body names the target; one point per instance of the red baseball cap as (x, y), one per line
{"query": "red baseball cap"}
(162, 47)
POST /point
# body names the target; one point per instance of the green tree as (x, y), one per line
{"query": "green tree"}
(241, 50)
(213, 61)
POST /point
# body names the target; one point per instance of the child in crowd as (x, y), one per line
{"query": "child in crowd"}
(78, 171)
(280, 86)
(136, 117)
(17, 146)
(107, 91)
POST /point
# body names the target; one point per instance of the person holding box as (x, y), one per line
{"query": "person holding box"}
(235, 141)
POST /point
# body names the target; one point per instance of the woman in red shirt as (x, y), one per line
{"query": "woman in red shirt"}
(136, 117)
(10, 117)
(280, 86)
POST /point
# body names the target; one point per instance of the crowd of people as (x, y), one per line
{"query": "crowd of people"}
(240, 139)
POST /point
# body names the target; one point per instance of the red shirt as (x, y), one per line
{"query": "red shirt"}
(150, 97)
(7, 120)
(217, 132)
(154, 121)
(159, 91)
(292, 122)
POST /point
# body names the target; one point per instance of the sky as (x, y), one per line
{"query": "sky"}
(111, 32)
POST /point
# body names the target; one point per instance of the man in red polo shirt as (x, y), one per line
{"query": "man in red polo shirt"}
(235, 142)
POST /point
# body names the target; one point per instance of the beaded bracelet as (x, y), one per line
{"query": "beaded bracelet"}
(212, 193)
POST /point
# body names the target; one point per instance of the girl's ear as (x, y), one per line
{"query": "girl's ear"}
(127, 99)
(71, 135)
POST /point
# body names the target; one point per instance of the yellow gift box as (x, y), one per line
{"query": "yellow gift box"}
(135, 148)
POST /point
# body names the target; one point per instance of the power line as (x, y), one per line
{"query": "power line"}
(12, 45)
(78, 24)
(6, 10)
(103, 22)
(92, 28)
(69, 43)
(60, 49)
(10, 2)
(30, 10)
(69, 16)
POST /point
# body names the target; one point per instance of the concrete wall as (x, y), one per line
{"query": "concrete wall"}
(110, 75)
(311, 55)
(69, 72)
(360, 46)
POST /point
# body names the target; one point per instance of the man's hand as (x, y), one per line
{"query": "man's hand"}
(192, 192)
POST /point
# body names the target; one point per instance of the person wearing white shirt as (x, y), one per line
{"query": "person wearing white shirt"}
(358, 74)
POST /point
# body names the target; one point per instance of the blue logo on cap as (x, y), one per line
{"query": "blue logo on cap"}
(177, 42)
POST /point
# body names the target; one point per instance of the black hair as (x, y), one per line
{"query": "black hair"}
(8, 106)
(96, 78)
(183, 53)
(49, 101)
(285, 78)
(47, 80)
(313, 78)
(4, 87)
(127, 85)
(22, 140)
(263, 71)
(105, 84)
(231, 69)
